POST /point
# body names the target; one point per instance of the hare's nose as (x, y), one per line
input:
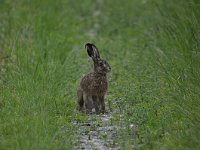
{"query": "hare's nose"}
(109, 69)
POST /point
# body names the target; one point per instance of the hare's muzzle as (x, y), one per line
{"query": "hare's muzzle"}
(108, 69)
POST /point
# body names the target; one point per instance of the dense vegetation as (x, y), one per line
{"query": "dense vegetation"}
(153, 47)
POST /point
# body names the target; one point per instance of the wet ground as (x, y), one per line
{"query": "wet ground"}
(98, 133)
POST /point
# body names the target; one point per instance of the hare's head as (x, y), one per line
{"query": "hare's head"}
(100, 65)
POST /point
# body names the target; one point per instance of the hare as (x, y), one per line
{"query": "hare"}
(94, 85)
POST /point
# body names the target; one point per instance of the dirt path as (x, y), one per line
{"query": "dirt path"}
(100, 132)
(97, 133)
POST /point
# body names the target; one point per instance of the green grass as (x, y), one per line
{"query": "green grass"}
(152, 46)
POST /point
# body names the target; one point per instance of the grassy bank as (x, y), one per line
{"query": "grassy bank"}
(152, 46)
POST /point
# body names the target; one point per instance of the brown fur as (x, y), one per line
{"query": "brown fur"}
(94, 85)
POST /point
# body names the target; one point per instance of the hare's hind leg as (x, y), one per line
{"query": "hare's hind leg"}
(80, 99)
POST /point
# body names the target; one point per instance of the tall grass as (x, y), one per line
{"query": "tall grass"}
(178, 57)
(152, 46)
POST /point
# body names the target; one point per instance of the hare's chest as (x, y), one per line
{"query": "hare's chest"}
(98, 85)
(101, 84)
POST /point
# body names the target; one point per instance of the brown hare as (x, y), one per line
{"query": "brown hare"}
(94, 85)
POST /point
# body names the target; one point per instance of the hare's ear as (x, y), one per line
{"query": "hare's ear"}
(92, 51)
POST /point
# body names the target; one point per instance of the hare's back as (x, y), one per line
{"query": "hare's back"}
(94, 84)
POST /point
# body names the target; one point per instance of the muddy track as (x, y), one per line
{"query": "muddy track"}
(97, 133)
(100, 132)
